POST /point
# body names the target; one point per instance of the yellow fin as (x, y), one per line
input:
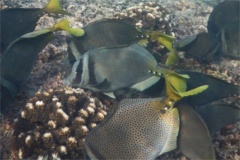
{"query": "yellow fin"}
(64, 25)
(54, 6)
(193, 91)
(176, 88)
(77, 32)
(172, 57)
(165, 40)
(177, 81)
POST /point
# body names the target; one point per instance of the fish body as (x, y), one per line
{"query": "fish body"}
(136, 130)
(108, 69)
(145, 129)
(113, 33)
(230, 40)
(16, 22)
(20, 56)
(203, 46)
(107, 33)
(224, 23)
(13, 18)
(224, 13)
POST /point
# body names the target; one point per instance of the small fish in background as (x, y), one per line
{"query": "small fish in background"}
(20, 56)
(16, 22)
(203, 46)
(108, 69)
(113, 33)
(224, 23)
(226, 12)
(222, 37)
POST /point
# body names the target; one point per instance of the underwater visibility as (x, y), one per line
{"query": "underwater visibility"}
(78, 83)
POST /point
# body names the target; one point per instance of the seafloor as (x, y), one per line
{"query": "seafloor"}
(186, 17)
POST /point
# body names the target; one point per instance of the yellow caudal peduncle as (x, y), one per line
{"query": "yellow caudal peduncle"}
(54, 6)
(64, 25)
(176, 87)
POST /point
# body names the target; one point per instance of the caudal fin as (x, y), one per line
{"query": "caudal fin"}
(54, 6)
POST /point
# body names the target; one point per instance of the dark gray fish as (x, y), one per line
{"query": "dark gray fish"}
(112, 33)
(16, 22)
(139, 129)
(203, 46)
(108, 69)
(224, 23)
(107, 33)
(18, 60)
(214, 91)
(230, 40)
(224, 13)
(217, 115)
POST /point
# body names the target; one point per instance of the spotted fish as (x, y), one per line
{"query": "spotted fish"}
(143, 129)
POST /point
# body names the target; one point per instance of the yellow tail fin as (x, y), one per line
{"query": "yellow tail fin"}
(165, 40)
(176, 87)
(64, 25)
(54, 6)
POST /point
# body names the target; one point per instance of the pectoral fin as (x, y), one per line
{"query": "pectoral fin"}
(165, 40)
(141, 86)
(194, 139)
(102, 85)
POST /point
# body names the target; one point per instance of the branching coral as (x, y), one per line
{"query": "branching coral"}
(148, 16)
(56, 123)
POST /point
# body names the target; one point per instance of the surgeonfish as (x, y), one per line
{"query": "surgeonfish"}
(20, 56)
(113, 33)
(203, 46)
(224, 23)
(196, 79)
(107, 69)
(218, 114)
(214, 91)
(226, 12)
(138, 129)
(16, 22)
(230, 40)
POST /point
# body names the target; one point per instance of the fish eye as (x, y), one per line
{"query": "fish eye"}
(163, 111)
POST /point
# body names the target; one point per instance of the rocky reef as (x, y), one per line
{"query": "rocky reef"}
(54, 122)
